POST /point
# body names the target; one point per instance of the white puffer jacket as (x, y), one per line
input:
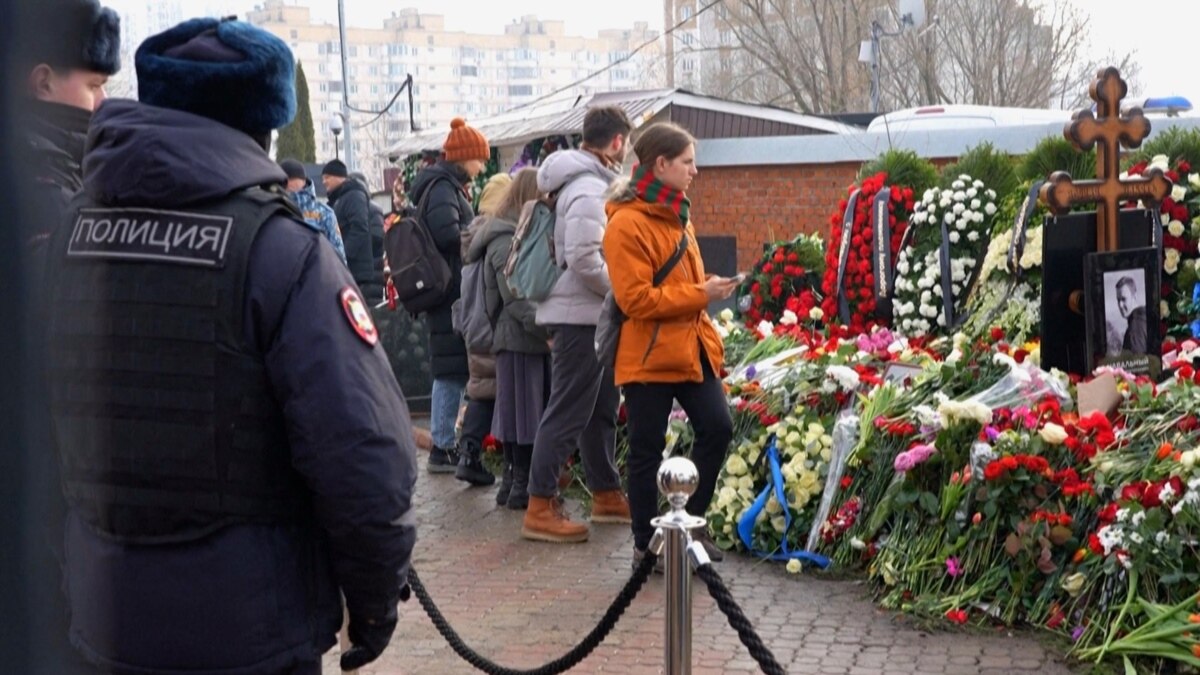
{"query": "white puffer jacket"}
(578, 236)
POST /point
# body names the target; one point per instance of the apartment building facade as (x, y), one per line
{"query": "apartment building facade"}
(455, 73)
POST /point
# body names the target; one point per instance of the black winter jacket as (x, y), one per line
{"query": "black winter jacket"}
(352, 204)
(447, 213)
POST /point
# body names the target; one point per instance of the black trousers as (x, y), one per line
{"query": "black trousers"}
(648, 409)
(477, 423)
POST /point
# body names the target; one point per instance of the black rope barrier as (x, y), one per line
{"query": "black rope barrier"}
(559, 665)
(739, 622)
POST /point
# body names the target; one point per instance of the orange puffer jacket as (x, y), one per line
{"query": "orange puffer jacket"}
(667, 326)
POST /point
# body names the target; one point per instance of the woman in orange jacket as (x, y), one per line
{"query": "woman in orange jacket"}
(668, 349)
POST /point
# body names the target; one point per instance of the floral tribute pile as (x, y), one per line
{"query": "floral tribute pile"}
(966, 212)
(942, 462)
(1181, 234)
(973, 489)
(858, 278)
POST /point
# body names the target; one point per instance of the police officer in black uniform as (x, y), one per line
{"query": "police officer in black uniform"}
(236, 453)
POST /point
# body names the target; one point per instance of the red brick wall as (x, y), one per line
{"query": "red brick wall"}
(758, 204)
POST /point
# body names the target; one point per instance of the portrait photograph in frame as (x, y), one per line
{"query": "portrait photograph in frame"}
(1121, 308)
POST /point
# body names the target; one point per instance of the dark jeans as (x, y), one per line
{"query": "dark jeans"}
(477, 423)
(582, 411)
(648, 408)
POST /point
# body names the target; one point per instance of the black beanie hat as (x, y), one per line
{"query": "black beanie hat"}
(71, 34)
(335, 167)
(229, 71)
(293, 169)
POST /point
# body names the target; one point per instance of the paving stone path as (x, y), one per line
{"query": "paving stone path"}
(523, 603)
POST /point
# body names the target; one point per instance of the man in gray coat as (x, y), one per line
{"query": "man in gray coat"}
(582, 411)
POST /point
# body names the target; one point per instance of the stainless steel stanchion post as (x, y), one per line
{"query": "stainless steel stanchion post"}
(677, 479)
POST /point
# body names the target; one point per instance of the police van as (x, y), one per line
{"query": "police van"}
(956, 116)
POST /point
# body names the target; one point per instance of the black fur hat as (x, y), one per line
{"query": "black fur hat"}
(229, 71)
(72, 34)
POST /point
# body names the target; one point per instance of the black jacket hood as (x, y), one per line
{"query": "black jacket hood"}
(346, 188)
(141, 155)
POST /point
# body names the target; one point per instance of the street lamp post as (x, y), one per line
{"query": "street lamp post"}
(335, 125)
(912, 15)
(345, 86)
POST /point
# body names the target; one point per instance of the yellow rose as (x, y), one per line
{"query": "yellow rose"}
(793, 565)
(736, 465)
(1074, 584)
(773, 506)
(745, 483)
(779, 524)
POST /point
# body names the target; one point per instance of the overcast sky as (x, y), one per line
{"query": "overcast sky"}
(1162, 36)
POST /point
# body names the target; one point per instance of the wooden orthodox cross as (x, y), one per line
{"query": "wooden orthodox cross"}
(1108, 130)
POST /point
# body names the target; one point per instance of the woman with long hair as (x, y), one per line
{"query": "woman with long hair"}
(668, 349)
(522, 355)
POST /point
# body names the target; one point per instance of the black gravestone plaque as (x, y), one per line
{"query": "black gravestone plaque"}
(720, 258)
(1065, 242)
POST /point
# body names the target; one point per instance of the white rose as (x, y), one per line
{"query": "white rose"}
(1159, 162)
(954, 237)
(958, 185)
(1194, 180)
(960, 196)
(1178, 193)
(793, 566)
(765, 328)
(789, 318)
(816, 314)
(1053, 434)
(972, 236)
(990, 209)
(1171, 261)
(949, 217)
(975, 204)
(1175, 228)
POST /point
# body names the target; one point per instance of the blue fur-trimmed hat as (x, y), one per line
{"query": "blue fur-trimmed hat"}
(71, 34)
(226, 70)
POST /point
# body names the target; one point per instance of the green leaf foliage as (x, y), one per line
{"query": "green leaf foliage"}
(298, 140)
(903, 167)
(984, 162)
(1055, 153)
(1175, 142)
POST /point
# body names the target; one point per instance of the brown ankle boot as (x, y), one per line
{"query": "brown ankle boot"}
(610, 506)
(546, 521)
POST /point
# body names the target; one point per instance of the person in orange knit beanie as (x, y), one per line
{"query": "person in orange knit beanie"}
(440, 193)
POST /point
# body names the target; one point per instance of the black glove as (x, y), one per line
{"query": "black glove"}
(368, 638)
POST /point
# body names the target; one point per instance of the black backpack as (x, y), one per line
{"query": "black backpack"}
(419, 273)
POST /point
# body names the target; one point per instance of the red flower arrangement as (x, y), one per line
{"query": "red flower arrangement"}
(859, 275)
(785, 278)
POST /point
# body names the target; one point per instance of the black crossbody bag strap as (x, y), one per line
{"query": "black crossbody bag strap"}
(663, 271)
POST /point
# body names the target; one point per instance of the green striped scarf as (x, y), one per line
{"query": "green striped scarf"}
(650, 189)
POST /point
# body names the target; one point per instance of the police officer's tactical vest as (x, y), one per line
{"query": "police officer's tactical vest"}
(163, 413)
